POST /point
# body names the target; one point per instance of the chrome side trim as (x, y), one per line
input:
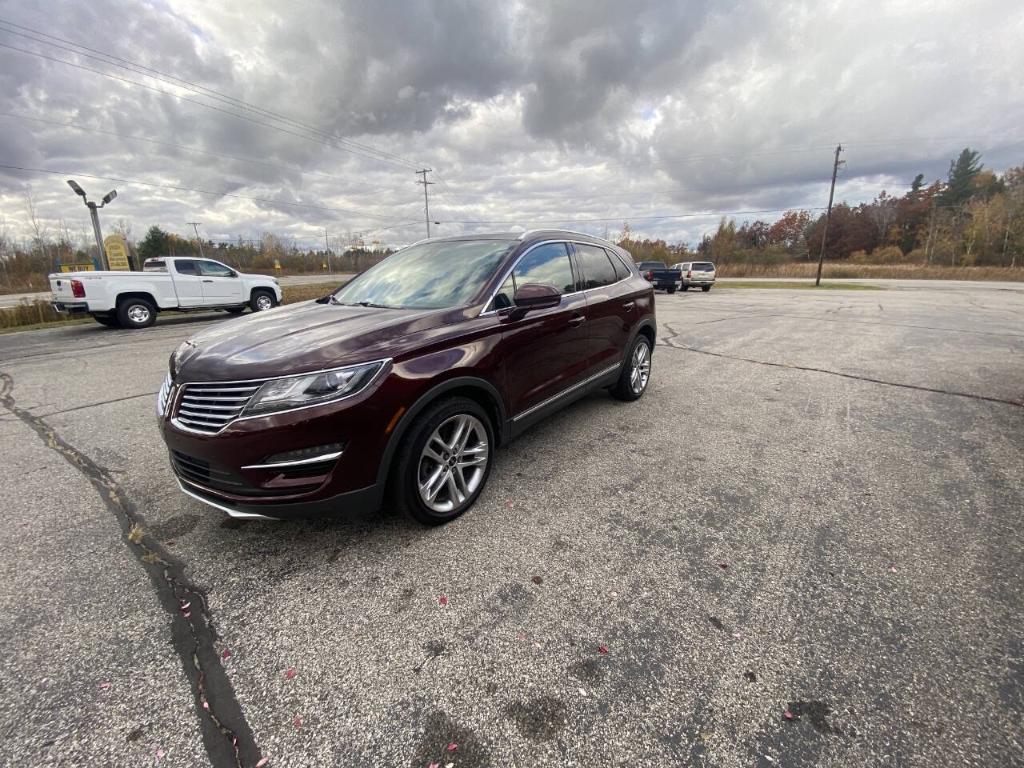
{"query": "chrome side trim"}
(227, 510)
(297, 462)
(570, 390)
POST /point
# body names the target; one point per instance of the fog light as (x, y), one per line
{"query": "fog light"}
(308, 455)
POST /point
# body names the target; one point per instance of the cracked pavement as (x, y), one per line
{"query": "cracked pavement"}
(815, 509)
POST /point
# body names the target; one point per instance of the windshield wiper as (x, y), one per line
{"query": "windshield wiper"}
(371, 304)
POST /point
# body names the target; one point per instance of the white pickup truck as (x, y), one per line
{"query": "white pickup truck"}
(133, 299)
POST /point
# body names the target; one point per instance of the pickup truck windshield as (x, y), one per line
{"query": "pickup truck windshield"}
(434, 275)
(652, 265)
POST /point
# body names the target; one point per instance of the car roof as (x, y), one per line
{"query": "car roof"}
(529, 237)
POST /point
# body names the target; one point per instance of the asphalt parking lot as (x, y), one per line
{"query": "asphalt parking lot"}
(802, 547)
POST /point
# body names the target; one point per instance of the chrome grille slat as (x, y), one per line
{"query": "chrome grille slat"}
(209, 407)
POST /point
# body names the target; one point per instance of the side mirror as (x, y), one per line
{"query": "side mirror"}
(534, 296)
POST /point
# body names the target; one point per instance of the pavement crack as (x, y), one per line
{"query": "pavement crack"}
(227, 737)
(668, 342)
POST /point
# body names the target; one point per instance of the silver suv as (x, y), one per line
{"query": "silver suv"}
(696, 273)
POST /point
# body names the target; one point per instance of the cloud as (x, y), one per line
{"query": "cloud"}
(529, 112)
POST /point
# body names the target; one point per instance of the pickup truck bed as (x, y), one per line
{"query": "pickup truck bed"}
(659, 275)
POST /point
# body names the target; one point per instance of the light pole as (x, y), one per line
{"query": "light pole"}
(93, 212)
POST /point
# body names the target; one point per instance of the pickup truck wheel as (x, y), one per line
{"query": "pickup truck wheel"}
(683, 287)
(672, 289)
(262, 300)
(636, 371)
(136, 313)
(107, 320)
(705, 288)
(444, 462)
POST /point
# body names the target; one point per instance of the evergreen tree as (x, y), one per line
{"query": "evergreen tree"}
(962, 172)
(153, 245)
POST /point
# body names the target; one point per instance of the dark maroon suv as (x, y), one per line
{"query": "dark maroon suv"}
(407, 378)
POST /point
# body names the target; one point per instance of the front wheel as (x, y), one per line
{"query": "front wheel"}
(684, 287)
(136, 313)
(636, 371)
(445, 461)
(262, 300)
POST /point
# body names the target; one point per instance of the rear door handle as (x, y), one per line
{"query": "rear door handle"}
(577, 320)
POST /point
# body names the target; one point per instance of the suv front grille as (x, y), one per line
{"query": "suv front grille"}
(209, 406)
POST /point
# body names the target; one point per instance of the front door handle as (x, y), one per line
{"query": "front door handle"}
(629, 305)
(577, 320)
(207, 281)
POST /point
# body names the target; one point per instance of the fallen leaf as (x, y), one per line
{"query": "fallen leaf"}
(290, 673)
(185, 605)
(602, 649)
(225, 654)
(263, 761)
(442, 600)
(583, 691)
(160, 754)
(452, 747)
(537, 580)
(298, 723)
(206, 704)
(509, 504)
(187, 614)
(135, 534)
(892, 569)
(788, 715)
(434, 765)
(105, 686)
(723, 565)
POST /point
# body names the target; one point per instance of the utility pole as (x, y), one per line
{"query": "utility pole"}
(327, 245)
(828, 213)
(426, 202)
(195, 226)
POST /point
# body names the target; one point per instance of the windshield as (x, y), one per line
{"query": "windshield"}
(434, 275)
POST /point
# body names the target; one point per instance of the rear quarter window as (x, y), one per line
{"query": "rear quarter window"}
(704, 266)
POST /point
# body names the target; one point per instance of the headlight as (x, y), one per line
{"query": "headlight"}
(313, 389)
(163, 395)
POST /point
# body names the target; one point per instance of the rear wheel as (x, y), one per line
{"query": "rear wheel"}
(672, 289)
(445, 461)
(136, 313)
(705, 288)
(636, 371)
(262, 300)
(683, 287)
(110, 321)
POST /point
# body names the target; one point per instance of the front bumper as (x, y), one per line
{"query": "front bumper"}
(239, 470)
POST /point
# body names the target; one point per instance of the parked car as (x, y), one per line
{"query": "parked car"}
(696, 273)
(659, 275)
(406, 379)
(133, 299)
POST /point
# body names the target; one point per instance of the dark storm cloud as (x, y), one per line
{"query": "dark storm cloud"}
(528, 111)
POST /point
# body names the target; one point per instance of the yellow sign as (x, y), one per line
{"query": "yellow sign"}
(117, 252)
(77, 268)
(277, 263)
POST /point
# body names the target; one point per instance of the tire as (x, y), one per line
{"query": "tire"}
(434, 428)
(108, 321)
(705, 288)
(235, 310)
(627, 388)
(672, 289)
(262, 300)
(684, 287)
(134, 313)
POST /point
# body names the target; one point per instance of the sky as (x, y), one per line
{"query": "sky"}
(300, 119)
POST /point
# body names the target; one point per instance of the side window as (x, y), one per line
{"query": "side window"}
(597, 269)
(621, 270)
(185, 267)
(213, 269)
(546, 265)
(503, 298)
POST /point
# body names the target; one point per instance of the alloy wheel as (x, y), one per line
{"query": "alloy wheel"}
(641, 368)
(453, 463)
(263, 303)
(137, 313)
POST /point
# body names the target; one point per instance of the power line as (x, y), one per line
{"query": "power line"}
(194, 150)
(165, 77)
(633, 218)
(180, 188)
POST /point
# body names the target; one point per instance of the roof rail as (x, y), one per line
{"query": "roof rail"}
(529, 232)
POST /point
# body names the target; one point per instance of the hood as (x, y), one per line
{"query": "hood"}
(298, 338)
